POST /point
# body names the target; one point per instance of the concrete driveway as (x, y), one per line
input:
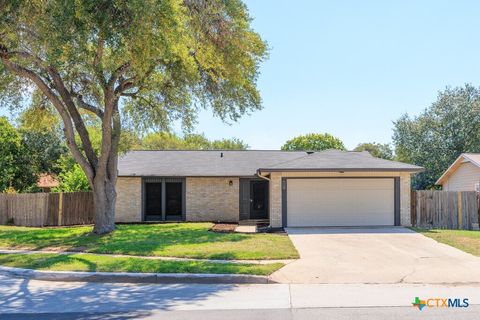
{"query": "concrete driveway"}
(375, 255)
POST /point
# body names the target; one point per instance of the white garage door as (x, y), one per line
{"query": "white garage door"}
(340, 202)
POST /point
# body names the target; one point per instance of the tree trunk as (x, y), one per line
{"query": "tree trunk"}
(104, 197)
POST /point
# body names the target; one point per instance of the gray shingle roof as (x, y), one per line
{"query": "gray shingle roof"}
(334, 160)
(246, 163)
(200, 163)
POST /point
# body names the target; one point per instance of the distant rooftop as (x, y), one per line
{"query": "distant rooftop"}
(245, 163)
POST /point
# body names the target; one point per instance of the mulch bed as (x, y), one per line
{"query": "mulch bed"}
(223, 227)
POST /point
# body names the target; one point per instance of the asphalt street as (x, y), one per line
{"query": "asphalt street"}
(32, 299)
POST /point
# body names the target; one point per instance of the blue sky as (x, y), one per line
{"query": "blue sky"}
(350, 68)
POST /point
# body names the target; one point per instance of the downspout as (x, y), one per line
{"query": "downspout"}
(260, 176)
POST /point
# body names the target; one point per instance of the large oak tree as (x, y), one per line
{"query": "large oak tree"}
(153, 62)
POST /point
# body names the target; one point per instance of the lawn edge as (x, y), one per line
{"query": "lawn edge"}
(164, 258)
(127, 277)
(425, 234)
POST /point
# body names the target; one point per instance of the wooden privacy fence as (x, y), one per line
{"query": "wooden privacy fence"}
(46, 209)
(444, 209)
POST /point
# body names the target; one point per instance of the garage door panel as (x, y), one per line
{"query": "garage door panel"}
(340, 202)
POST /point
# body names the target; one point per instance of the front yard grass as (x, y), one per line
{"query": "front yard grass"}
(89, 262)
(186, 240)
(465, 240)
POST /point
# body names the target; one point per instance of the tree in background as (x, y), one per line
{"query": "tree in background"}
(71, 177)
(435, 138)
(15, 172)
(42, 150)
(170, 141)
(378, 150)
(154, 62)
(314, 142)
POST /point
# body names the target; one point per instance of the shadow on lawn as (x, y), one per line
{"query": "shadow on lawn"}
(127, 239)
(83, 300)
(34, 262)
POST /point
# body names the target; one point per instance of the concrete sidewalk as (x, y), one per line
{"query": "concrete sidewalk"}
(32, 296)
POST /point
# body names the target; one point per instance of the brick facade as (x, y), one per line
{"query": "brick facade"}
(405, 194)
(212, 199)
(128, 207)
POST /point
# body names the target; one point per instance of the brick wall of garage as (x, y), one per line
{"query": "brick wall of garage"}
(276, 191)
(212, 199)
(128, 207)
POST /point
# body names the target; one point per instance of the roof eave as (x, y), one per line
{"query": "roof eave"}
(453, 167)
(413, 170)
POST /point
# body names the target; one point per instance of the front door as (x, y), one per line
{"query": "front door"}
(258, 199)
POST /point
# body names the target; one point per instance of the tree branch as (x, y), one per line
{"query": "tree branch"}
(87, 106)
(116, 75)
(97, 60)
(75, 115)
(68, 127)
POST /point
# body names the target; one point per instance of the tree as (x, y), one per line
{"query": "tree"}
(15, 171)
(169, 141)
(378, 150)
(42, 151)
(153, 62)
(435, 138)
(314, 142)
(71, 177)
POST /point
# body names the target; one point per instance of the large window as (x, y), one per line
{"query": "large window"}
(164, 199)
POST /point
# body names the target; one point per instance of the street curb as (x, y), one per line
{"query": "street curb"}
(124, 277)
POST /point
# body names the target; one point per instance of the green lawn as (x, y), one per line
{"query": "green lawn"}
(89, 262)
(191, 240)
(466, 240)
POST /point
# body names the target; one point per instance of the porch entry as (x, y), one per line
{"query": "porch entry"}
(254, 196)
(163, 199)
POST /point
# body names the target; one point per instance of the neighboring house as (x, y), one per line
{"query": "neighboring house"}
(463, 174)
(289, 188)
(46, 182)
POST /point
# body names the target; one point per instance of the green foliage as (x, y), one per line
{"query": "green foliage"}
(314, 142)
(9, 150)
(15, 163)
(71, 177)
(43, 151)
(40, 116)
(128, 139)
(169, 141)
(174, 56)
(435, 138)
(378, 150)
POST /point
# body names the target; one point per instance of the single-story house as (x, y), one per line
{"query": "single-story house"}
(463, 174)
(287, 188)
